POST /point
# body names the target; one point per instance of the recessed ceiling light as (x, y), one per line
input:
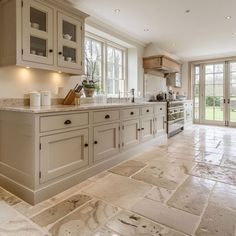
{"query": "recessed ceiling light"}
(228, 17)
(146, 30)
(188, 11)
(234, 33)
(27, 67)
(117, 10)
(173, 44)
(59, 72)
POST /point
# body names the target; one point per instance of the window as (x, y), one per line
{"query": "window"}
(108, 62)
(196, 89)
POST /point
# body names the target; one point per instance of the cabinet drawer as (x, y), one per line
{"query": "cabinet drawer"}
(160, 109)
(129, 113)
(104, 116)
(147, 110)
(50, 123)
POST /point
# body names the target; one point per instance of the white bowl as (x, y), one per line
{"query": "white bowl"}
(35, 25)
(67, 36)
(68, 59)
(40, 53)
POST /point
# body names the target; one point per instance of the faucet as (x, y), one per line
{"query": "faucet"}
(132, 92)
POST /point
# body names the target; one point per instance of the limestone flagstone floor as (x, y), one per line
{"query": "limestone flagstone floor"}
(186, 186)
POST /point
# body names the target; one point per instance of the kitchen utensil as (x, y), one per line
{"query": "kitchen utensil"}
(70, 97)
(45, 98)
(35, 99)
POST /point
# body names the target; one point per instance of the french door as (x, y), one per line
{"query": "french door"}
(215, 93)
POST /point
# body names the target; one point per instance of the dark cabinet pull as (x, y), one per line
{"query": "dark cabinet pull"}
(67, 122)
(86, 145)
(139, 129)
(95, 142)
(131, 113)
(50, 50)
(60, 53)
(161, 109)
(142, 129)
(107, 117)
(147, 110)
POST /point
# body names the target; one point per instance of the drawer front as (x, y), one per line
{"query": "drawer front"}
(130, 113)
(104, 116)
(50, 123)
(148, 110)
(160, 109)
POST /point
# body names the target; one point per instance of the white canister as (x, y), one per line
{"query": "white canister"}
(46, 98)
(35, 99)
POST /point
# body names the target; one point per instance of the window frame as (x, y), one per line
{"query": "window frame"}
(105, 44)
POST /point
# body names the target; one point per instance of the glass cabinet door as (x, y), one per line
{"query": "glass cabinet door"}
(69, 42)
(37, 33)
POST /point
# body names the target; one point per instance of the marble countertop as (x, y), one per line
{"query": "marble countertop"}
(65, 108)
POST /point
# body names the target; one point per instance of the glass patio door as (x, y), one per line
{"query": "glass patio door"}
(214, 102)
(231, 98)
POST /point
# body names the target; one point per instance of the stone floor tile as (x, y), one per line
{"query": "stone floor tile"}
(192, 196)
(222, 174)
(128, 168)
(229, 160)
(119, 190)
(159, 194)
(85, 220)
(54, 213)
(165, 173)
(171, 217)
(129, 224)
(217, 222)
(8, 197)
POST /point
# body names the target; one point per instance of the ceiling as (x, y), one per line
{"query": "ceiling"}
(202, 32)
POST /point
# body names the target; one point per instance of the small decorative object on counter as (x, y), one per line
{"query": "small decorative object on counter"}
(35, 99)
(90, 84)
(45, 98)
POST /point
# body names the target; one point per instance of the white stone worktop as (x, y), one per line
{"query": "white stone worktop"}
(67, 108)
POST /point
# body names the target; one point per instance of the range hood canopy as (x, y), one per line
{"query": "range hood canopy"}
(162, 64)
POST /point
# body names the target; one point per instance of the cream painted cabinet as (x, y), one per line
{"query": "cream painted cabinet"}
(160, 125)
(63, 153)
(147, 126)
(188, 113)
(106, 141)
(42, 34)
(37, 32)
(131, 133)
(69, 42)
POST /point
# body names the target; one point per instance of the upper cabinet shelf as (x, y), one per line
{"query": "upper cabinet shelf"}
(161, 63)
(42, 34)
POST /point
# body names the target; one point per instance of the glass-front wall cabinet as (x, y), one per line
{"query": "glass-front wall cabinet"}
(69, 42)
(37, 33)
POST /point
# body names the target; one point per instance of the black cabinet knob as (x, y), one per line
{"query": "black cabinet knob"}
(95, 142)
(147, 110)
(131, 113)
(139, 129)
(60, 53)
(67, 122)
(50, 50)
(107, 117)
(161, 109)
(86, 145)
(142, 129)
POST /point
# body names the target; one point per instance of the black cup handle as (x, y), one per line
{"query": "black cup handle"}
(86, 145)
(107, 117)
(67, 122)
(95, 142)
(131, 113)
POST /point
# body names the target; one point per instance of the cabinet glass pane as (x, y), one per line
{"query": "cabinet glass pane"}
(69, 54)
(38, 46)
(69, 31)
(38, 19)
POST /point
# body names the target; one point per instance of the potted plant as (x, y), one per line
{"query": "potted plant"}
(89, 83)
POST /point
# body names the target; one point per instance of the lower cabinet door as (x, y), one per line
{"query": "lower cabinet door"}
(147, 128)
(63, 153)
(106, 141)
(160, 125)
(131, 133)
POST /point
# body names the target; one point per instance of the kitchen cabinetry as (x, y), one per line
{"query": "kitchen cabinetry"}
(131, 133)
(161, 63)
(57, 149)
(42, 34)
(188, 113)
(106, 141)
(63, 153)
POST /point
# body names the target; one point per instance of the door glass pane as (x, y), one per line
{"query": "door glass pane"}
(69, 31)
(38, 19)
(38, 46)
(69, 54)
(233, 92)
(214, 92)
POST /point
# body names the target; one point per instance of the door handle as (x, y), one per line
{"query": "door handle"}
(224, 100)
(228, 101)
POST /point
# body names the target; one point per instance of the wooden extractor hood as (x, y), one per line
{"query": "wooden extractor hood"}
(161, 63)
